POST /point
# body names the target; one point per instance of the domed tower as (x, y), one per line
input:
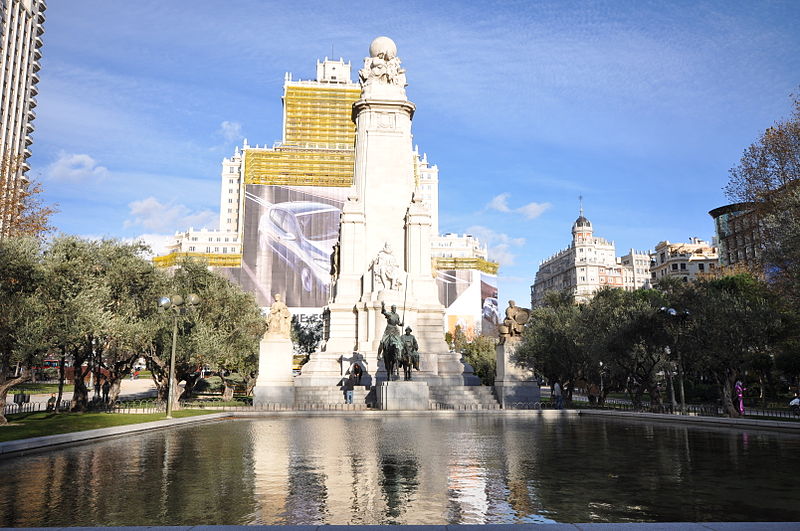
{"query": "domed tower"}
(582, 229)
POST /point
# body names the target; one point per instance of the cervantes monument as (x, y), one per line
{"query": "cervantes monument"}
(383, 256)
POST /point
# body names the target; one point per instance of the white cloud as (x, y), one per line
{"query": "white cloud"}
(499, 203)
(157, 242)
(531, 210)
(231, 131)
(499, 243)
(152, 214)
(75, 167)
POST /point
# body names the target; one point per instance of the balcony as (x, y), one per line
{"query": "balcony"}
(28, 140)
(31, 114)
(34, 77)
(34, 90)
(32, 103)
(37, 54)
(29, 127)
(26, 152)
(38, 41)
(35, 66)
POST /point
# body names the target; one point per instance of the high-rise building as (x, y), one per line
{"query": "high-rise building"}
(686, 261)
(588, 264)
(738, 234)
(20, 51)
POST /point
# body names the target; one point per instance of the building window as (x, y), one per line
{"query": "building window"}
(674, 267)
(683, 267)
(701, 267)
(230, 200)
(662, 258)
(208, 249)
(231, 170)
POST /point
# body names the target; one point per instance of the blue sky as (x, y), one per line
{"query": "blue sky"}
(640, 107)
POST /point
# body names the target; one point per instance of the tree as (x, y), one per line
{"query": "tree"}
(731, 320)
(768, 177)
(481, 354)
(552, 342)
(21, 319)
(223, 334)
(22, 211)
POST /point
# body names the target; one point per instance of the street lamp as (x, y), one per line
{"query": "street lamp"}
(179, 307)
(681, 316)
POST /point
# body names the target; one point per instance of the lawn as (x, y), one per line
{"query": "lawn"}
(26, 425)
(39, 388)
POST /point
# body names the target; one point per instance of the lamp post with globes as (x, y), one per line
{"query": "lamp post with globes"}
(681, 317)
(179, 307)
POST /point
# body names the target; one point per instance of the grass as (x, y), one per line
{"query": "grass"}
(39, 388)
(26, 425)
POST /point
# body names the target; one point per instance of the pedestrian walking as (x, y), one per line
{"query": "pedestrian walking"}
(739, 390)
(557, 395)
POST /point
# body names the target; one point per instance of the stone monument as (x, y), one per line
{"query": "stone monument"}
(514, 385)
(383, 253)
(275, 383)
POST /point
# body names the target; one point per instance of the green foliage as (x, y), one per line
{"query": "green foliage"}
(480, 353)
(212, 384)
(306, 336)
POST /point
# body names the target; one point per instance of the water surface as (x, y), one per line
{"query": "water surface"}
(412, 470)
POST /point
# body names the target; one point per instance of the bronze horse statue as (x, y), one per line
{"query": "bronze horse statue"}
(392, 351)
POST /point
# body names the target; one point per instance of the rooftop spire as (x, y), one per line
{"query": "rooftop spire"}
(580, 199)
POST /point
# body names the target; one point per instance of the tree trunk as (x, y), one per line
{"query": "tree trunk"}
(62, 372)
(5, 386)
(80, 393)
(727, 395)
(227, 392)
(113, 393)
(191, 380)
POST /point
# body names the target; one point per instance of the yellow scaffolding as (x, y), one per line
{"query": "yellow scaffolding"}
(213, 259)
(480, 264)
(319, 140)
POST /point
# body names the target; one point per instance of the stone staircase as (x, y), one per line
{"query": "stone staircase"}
(326, 397)
(464, 397)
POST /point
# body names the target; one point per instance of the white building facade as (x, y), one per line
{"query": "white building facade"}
(20, 52)
(686, 261)
(587, 265)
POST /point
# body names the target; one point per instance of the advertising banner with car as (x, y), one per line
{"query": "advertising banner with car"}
(289, 233)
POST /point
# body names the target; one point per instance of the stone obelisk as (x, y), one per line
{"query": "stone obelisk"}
(383, 254)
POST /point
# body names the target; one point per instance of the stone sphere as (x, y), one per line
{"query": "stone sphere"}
(383, 45)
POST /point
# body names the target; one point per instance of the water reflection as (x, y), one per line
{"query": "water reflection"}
(415, 470)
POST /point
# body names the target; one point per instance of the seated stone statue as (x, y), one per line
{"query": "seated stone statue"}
(279, 319)
(386, 273)
(514, 323)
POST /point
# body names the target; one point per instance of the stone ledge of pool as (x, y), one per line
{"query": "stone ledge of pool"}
(628, 526)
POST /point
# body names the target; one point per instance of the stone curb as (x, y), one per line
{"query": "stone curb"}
(721, 422)
(23, 446)
(656, 526)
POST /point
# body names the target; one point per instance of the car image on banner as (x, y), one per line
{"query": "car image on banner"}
(301, 235)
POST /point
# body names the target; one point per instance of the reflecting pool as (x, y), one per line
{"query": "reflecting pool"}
(408, 470)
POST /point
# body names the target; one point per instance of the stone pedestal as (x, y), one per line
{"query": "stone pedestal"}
(275, 383)
(409, 396)
(514, 386)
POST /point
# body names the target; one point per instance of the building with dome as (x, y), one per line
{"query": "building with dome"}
(588, 264)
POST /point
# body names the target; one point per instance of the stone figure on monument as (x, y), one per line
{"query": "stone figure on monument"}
(382, 65)
(410, 349)
(514, 323)
(385, 270)
(391, 346)
(279, 319)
